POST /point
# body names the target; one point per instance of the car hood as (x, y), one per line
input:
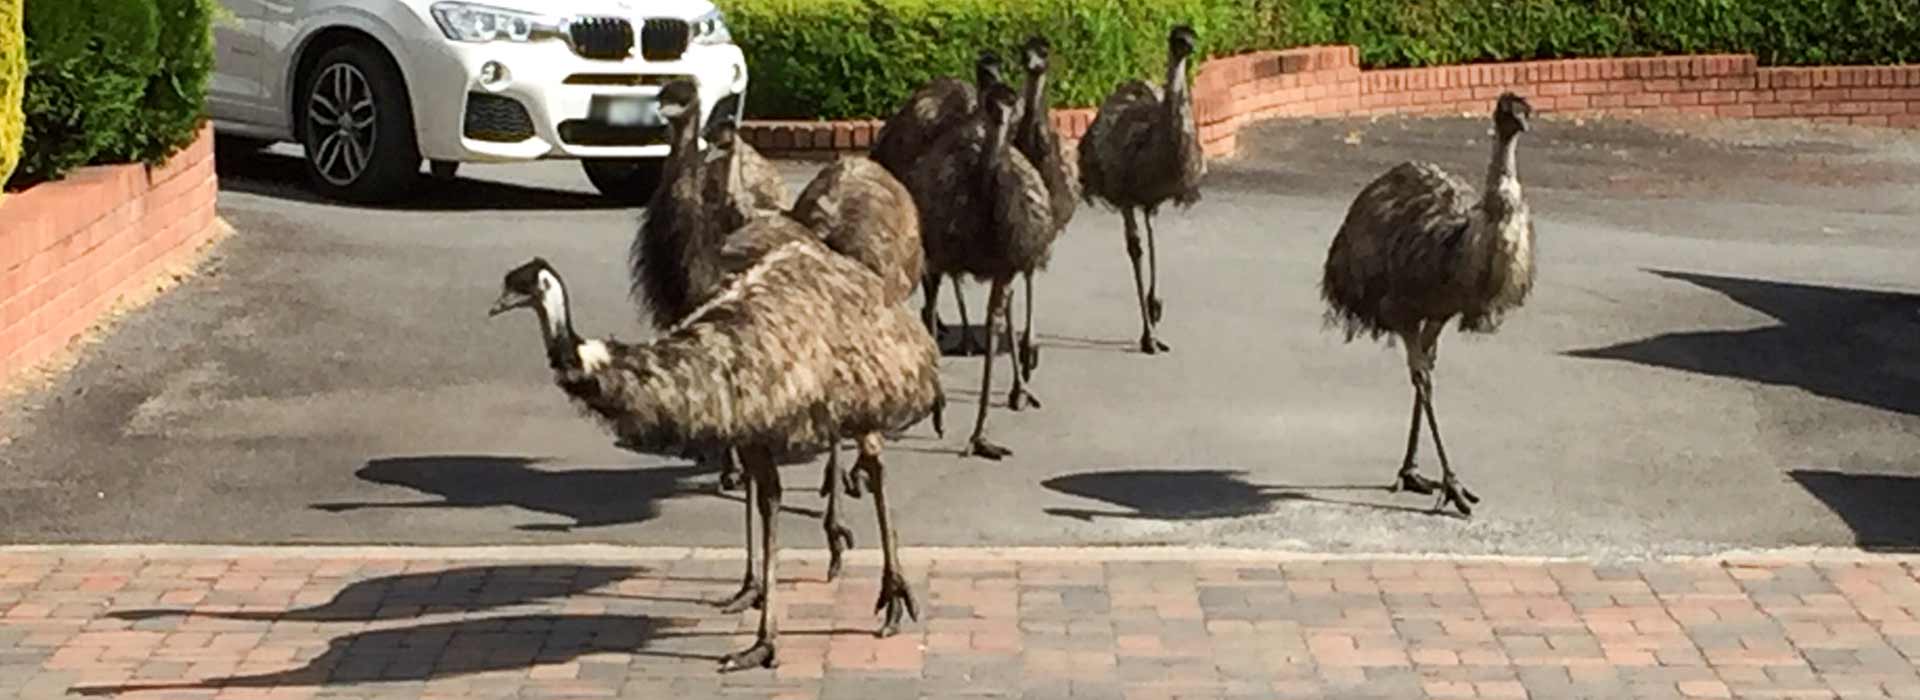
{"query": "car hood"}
(687, 9)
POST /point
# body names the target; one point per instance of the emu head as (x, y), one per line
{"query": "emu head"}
(527, 286)
(721, 135)
(680, 102)
(1181, 42)
(1512, 114)
(1036, 52)
(1002, 108)
(986, 69)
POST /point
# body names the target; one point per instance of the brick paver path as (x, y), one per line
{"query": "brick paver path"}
(1102, 623)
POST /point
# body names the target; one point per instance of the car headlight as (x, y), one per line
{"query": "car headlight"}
(465, 21)
(711, 28)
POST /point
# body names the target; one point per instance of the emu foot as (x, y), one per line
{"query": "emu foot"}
(1022, 399)
(1029, 355)
(852, 482)
(1453, 492)
(730, 480)
(895, 598)
(1151, 345)
(979, 447)
(1411, 481)
(760, 655)
(1154, 308)
(839, 540)
(751, 595)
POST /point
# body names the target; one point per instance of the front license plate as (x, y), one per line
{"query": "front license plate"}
(625, 111)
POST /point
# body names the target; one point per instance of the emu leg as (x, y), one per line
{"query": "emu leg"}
(728, 466)
(1148, 344)
(1410, 478)
(766, 483)
(753, 591)
(1029, 351)
(930, 310)
(895, 596)
(1153, 271)
(839, 537)
(1019, 398)
(978, 444)
(1450, 488)
(967, 344)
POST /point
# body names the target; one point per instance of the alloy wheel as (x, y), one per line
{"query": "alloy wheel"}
(340, 123)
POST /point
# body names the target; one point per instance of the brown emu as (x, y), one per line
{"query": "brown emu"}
(1142, 150)
(860, 211)
(1038, 141)
(936, 109)
(984, 212)
(765, 367)
(1415, 251)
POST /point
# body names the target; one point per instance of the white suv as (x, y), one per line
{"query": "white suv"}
(371, 87)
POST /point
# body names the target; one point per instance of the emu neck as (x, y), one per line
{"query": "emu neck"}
(990, 159)
(686, 145)
(1179, 107)
(1034, 122)
(556, 328)
(1503, 176)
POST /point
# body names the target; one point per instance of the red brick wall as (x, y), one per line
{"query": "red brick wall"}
(70, 249)
(1324, 81)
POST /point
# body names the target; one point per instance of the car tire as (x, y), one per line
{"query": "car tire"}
(631, 181)
(370, 156)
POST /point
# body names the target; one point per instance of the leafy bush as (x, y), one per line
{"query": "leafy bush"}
(13, 77)
(860, 58)
(175, 102)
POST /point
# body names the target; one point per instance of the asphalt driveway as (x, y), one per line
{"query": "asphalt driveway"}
(1721, 352)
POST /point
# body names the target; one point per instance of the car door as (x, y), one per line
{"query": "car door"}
(235, 92)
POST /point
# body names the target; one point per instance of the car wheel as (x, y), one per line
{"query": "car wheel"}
(629, 181)
(358, 127)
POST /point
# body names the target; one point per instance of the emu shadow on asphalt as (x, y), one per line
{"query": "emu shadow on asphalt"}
(1196, 494)
(589, 497)
(285, 177)
(1879, 508)
(1854, 345)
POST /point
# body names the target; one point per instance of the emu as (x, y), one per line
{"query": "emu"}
(1414, 252)
(1142, 150)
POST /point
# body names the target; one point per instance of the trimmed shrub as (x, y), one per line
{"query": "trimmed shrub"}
(839, 59)
(88, 66)
(860, 58)
(13, 79)
(175, 102)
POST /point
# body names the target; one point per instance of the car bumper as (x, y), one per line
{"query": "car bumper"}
(548, 105)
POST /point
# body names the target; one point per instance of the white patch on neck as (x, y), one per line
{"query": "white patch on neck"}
(553, 299)
(672, 111)
(594, 355)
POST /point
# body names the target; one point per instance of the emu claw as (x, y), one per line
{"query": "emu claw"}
(895, 598)
(1451, 492)
(1152, 346)
(1153, 308)
(1022, 399)
(760, 655)
(751, 595)
(1412, 481)
(979, 447)
(839, 540)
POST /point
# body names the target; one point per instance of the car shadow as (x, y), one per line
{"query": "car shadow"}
(1879, 508)
(588, 497)
(466, 590)
(453, 649)
(1195, 494)
(1854, 345)
(281, 176)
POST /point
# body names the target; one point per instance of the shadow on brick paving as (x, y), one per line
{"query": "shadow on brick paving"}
(1195, 494)
(461, 648)
(590, 497)
(467, 590)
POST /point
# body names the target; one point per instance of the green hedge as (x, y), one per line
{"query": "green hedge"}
(860, 58)
(13, 76)
(103, 88)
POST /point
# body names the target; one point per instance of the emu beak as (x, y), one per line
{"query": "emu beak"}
(508, 301)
